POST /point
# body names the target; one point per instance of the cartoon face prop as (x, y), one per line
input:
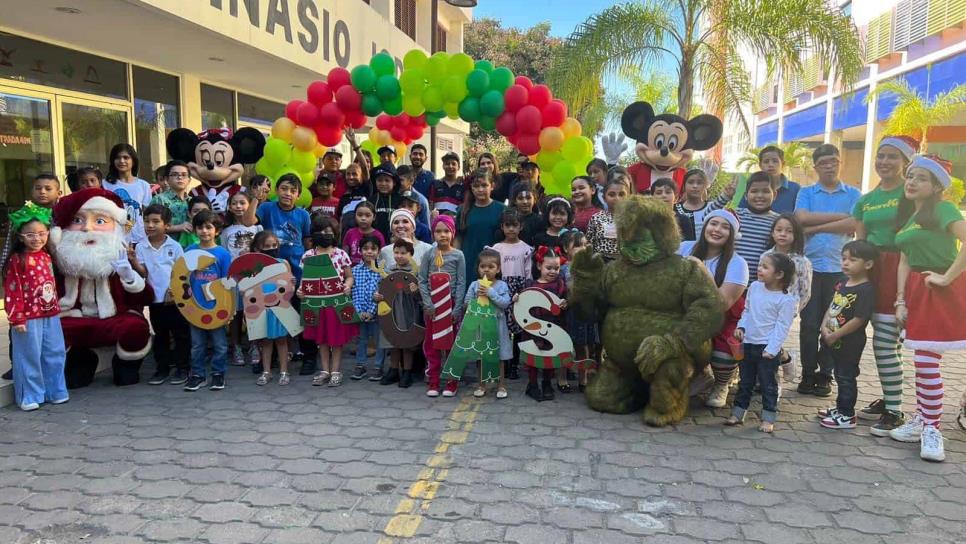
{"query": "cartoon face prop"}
(668, 141)
(215, 157)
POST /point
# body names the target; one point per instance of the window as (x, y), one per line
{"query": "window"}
(258, 110)
(217, 107)
(156, 102)
(30, 61)
(440, 38)
(406, 17)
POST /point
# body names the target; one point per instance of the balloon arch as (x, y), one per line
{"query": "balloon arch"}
(428, 89)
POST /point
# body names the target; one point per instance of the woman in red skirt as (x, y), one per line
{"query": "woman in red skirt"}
(931, 292)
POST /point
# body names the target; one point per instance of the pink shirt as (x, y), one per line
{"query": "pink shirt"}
(515, 259)
(351, 243)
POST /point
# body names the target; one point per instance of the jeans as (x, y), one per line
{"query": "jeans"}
(367, 330)
(168, 325)
(199, 350)
(38, 368)
(846, 362)
(756, 366)
(813, 360)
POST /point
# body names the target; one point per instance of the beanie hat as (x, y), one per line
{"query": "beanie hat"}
(405, 214)
(728, 216)
(936, 166)
(445, 220)
(906, 145)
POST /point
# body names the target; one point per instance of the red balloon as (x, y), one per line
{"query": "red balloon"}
(506, 123)
(348, 98)
(355, 119)
(291, 110)
(398, 133)
(554, 114)
(414, 132)
(319, 93)
(515, 98)
(330, 115)
(384, 122)
(529, 144)
(404, 119)
(338, 78)
(420, 120)
(307, 114)
(524, 82)
(529, 121)
(329, 137)
(540, 96)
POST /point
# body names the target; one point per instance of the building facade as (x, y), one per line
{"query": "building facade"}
(78, 77)
(920, 41)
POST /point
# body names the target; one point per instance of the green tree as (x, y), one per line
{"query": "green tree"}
(914, 114)
(702, 38)
(798, 156)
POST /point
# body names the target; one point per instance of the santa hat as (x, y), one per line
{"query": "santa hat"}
(100, 200)
(906, 145)
(254, 268)
(935, 165)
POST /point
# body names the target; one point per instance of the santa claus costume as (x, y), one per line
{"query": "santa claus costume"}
(102, 298)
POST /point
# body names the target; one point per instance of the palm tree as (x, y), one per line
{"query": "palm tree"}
(798, 156)
(914, 114)
(703, 39)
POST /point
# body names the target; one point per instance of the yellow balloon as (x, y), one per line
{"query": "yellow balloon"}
(319, 150)
(304, 139)
(551, 139)
(282, 129)
(374, 135)
(571, 127)
(384, 138)
(400, 149)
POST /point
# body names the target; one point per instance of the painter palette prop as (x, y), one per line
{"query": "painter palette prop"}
(560, 353)
(322, 288)
(399, 311)
(266, 286)
(441, 326)
(477, 340)
(206, 305)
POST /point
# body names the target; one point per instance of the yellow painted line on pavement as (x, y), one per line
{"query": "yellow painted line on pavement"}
(409, 512)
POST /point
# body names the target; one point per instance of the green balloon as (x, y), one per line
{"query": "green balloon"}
(432, 120)
(394, 106)
(460, 64)
(484, 65)
(304, 200)
(501, 79)
(383, 64)
(564, 172)
(454, 88)
(491, 104)
(413, 105)
(387, 88)
(276, 153)
(546, 160)
(470, 109)
(577, 147)
(433, 98)
(478, 82)
(412, 81)
(363, 78)
(262, 167)
(414, 59)
(487, 123)
(436, 68)
(302, 161)
(371, 105)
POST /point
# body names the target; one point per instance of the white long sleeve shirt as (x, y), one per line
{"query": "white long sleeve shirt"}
(767, 317)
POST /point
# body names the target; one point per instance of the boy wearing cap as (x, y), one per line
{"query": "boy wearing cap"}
(331, 162)
(387, 154)
(407, 176)
(323, 199)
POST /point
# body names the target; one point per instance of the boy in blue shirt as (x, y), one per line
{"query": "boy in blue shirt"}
(207, 225)
(291, 225)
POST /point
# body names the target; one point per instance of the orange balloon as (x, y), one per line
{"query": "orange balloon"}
(304, 139)
(551, 139)
(400, 150)
(319, 150)
(571, 127)
(374, 135)
(385, 138)
(282, 129)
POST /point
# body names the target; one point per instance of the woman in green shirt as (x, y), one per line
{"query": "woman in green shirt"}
(931, 292)
(875, 221)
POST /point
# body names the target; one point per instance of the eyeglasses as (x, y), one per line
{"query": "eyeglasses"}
(178, 176)
(35, 235)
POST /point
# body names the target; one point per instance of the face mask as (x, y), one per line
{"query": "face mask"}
(323, 239)
(271, 252)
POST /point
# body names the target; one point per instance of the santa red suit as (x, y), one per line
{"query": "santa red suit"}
(101, 299)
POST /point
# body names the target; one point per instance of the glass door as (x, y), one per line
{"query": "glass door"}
(26, 148)
(90, 130)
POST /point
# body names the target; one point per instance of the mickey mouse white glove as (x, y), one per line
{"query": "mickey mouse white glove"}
(614, 145)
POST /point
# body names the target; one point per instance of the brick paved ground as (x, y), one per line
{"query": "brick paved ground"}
(316, 465)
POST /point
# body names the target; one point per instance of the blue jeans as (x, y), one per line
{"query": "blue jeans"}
(199, 350)
(367, 330)
(755, 366)
(38, 367)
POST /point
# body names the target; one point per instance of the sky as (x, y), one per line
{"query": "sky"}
(566, 14)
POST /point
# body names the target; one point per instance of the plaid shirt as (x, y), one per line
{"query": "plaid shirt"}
(365, 283)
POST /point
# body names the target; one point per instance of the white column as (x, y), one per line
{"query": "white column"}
(868, 155)
(829, 106)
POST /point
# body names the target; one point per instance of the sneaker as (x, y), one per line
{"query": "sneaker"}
(546, 387)
(29, 406)
(828, 412)
(931, 446)
(910, 431)
(390, 377)
(159, 378)
(406, 380)
(60, 401)
(718, 396)
(264, 378)
(501, 392)
(838, 421)
(432, 391)
(887, 422)
(376, 376)
(873, 411)
(335, 380)
(217, 382)
(479, 392)
(194, 383)
(823, 387)
(254, 354)
(451, 387)
(321, 378)
(358, 373)
(283, 378)
(179, 377)
(807, 385)
(238, 357)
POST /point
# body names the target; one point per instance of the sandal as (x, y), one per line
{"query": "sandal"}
(264, 378)
(501, 393)
(283, 378)
(565, 388)
(479, 392)
(336, 379)
(766, 427)
(321, 378)
(732, 421)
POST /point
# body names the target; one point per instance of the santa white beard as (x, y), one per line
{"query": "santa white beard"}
(88, 254)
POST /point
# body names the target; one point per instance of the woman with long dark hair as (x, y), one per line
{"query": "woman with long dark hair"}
(122, 180)
(716, 249)
(478, 219)
(501, 183)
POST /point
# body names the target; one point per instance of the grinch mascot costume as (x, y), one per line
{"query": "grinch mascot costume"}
(102, 298)
(659, 312)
